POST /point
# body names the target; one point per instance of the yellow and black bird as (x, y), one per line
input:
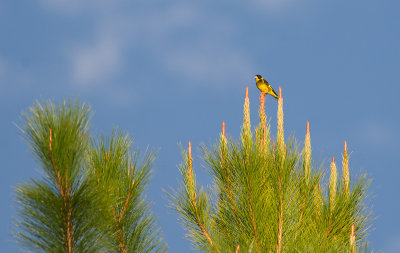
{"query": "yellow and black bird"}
(264, 86)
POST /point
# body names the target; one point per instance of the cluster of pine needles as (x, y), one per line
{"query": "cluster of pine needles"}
(91, 195)
(269, 196)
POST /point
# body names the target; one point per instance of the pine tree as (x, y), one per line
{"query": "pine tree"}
(68, 209)
(129, 225)
(268, 196)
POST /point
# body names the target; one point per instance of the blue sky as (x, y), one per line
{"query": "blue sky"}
(171, 71)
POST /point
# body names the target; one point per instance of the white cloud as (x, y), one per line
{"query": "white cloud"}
(205, 63)
(154, 31)
(157, 31)
(206, 54)
(155, 25)
(94, 63)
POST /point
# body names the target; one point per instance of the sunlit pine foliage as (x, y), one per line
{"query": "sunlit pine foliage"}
(90, 196)
(122, 177)
(269, 196)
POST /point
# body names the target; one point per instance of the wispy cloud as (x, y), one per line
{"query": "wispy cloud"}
(160, 33)
(185, 39)
(93, 63)
(203, 63)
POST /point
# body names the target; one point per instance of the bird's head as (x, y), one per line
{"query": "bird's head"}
(258, 77)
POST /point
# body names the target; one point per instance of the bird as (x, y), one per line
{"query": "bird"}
(264, 86)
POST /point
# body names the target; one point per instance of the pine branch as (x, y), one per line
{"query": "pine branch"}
(65, 194)
(280, 222)
(268, 198)
(193, 198)
(253, 221)
(127, 197)
(56, 213)
(121, 174)
(87, 201)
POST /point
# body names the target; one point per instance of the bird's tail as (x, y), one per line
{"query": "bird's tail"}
(273, 93)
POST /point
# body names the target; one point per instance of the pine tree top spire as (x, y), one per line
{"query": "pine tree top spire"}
(307, 154)
(50, 139)
(352, 239)
(345, 170)
(246, 115)
(262, 109)
(189, 160)
(332, 184)
(280, 134)
(262, 129)
(223, 129)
